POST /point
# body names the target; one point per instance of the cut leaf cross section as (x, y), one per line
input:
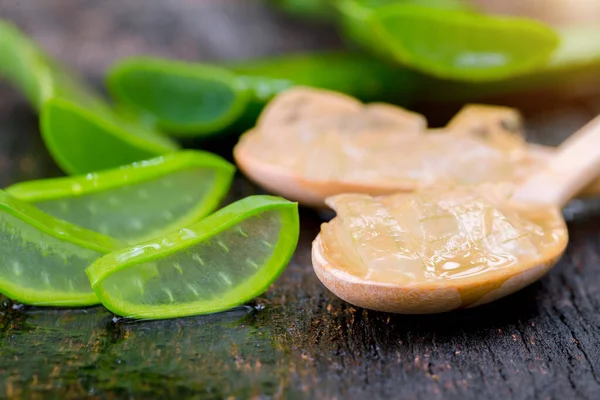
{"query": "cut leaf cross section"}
(222, 261)
(42, 259)
(139, 201)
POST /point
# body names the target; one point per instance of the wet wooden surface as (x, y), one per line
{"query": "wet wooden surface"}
(297, 340)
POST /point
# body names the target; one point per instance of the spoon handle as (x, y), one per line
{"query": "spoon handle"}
(574, 166)
(546, 153)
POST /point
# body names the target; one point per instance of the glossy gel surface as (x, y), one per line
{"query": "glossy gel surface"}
(137, 210)
(42, 259)
(379, 144)
(34, 264)
(439, 233)
(224, 260)
(139, 202)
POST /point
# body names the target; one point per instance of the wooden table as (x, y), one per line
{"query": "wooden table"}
(297, 340)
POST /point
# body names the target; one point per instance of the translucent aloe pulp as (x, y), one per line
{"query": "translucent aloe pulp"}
(220, 262)
(42, 258)
(139, 201)
(81, 131)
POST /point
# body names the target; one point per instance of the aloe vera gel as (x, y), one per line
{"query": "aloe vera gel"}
(222, 261)
(42, 259)
(139, 201)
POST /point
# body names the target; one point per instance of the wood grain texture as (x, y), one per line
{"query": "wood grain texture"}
(297, 340)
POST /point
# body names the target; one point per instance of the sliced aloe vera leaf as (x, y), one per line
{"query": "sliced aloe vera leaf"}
(361, 76)
(42, 259)
(83, 141)
(220, 262)
(139, 201)
(573, 68)
(82, 132)
(182, 98)
(190, 99)
(447, 42)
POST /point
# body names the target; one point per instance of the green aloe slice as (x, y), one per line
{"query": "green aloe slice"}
(139, 201)
(42, 258)
(576, 60)
(574, 68)
(191, 99)
(220, 262)
(180, 97)
(82, 132)
(448, 42)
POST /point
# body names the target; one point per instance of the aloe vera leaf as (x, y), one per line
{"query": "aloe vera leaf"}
(574, 67)
(218, 263)
(81, 131)
(191, 99)
(42, 259)
(139, 201)
(254, 83)
(448, 43)
(182, 98)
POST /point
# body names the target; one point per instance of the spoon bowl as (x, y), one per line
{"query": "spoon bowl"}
(308, 192)
(427, 297)
(440, 249)
(401, 254)
(310, 144)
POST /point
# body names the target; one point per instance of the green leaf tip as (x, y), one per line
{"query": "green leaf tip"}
(81, 131)
(184, 99)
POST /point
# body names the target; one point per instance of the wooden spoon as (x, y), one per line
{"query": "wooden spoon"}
(310, 144)
(441, 249)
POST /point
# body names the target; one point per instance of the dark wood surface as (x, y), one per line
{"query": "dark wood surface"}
(297, 340)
